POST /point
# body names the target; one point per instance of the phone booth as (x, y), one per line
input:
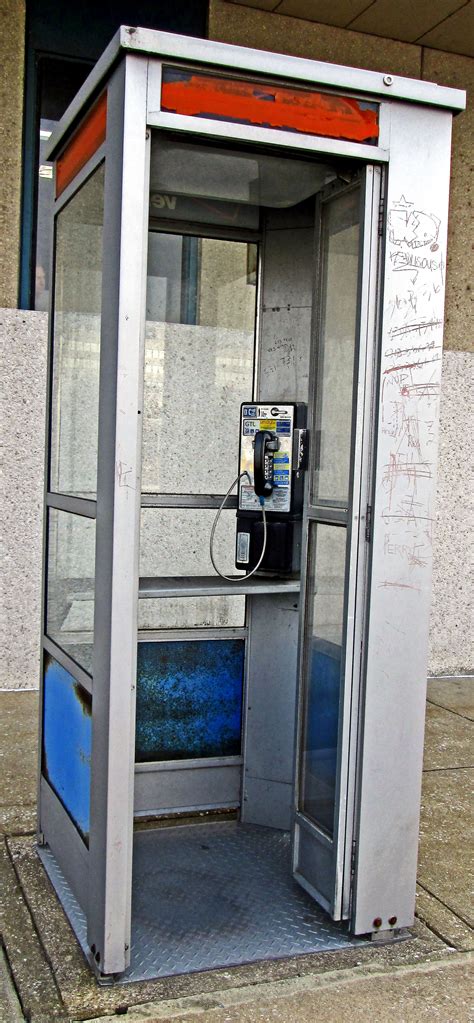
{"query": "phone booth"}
(245, 358)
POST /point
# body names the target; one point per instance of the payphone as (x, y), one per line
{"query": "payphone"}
(272, 455)
(272, 460)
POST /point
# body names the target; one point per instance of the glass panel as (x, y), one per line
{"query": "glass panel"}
(189, 699)
(175, 542)
(198, 360)
(67, 737)
(70, 584)
(323, 675)
(186, 178)
(76, 341)
(58, 82)
(340, 264)
(191, 613)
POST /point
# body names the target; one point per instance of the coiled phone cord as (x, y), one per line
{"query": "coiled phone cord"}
(237, 578)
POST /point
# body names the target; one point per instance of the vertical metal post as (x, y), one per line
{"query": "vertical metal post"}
(393, 707)
(118, 511)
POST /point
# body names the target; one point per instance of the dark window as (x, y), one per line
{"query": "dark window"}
(61, 47)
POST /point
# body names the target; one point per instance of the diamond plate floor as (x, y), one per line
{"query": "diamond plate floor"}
(211, 895)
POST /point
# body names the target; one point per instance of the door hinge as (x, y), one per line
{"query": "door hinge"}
(368, 523)
(353, 858)
(381, 216)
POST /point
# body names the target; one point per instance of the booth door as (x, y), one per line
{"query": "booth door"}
(335, 543)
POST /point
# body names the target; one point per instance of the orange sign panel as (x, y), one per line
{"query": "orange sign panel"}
(83, 144)
(269, 106)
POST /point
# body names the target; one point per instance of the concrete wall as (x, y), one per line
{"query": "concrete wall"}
(22, 417)
(12, 21)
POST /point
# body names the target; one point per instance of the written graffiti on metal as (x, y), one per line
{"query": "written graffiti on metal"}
(410, 391)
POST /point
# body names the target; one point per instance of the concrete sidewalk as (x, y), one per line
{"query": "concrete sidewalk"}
(430, 977)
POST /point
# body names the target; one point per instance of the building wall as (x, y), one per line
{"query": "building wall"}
(23, 340)
(12, 21)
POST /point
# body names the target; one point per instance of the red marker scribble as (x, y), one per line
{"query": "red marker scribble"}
(270, 106)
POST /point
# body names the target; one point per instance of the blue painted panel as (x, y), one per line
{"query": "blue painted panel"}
(189, 699)
(322, 725)
(67, 734)
(323, 710)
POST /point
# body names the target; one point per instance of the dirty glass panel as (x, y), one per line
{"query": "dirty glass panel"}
(76, 341)
(191, 613)
(175, 541)
(337, 346)
(70, 584)
(323, 675)
(199, 357)
(189, 699)
(67, 736)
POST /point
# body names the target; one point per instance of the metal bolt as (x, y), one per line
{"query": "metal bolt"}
(378, 921)
(388, 79)
(392, 921)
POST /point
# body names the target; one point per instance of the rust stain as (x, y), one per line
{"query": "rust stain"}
(83, 144)
(84, 699)
(312, 113)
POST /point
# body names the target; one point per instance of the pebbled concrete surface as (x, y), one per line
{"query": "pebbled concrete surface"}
(432, 993)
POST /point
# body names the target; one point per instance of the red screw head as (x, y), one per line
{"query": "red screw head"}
(392, 920)
(378, 921)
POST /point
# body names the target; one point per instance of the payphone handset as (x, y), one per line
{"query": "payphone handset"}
(266, 455)
(271, 463)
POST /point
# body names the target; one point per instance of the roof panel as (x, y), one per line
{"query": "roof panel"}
(456, 34)
(404, 20)
(327, 12)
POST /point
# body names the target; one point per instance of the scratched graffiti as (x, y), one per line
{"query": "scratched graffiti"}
(410, 391)
(407, 226)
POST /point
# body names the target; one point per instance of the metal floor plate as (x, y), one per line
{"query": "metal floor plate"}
(213, 895)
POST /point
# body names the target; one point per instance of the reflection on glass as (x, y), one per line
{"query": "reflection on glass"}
(189, 699)
(199, 355)
(70, 584)
(58, 81)
(323, 676)
(175, 542)
(215, 186)
(338, 316)
(76, 341)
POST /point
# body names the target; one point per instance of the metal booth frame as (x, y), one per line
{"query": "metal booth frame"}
(370, 865)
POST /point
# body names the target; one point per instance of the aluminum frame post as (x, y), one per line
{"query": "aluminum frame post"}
(118, 517)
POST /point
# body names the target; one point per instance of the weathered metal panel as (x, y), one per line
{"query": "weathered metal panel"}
(66, 758)
(189, 699)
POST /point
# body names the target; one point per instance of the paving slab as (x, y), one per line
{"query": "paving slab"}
(449, 740)
(456, 694)
(18, 761)
(445, 859)
(432, 992)
(38, 994)
(10, 1011)
(443, 922)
